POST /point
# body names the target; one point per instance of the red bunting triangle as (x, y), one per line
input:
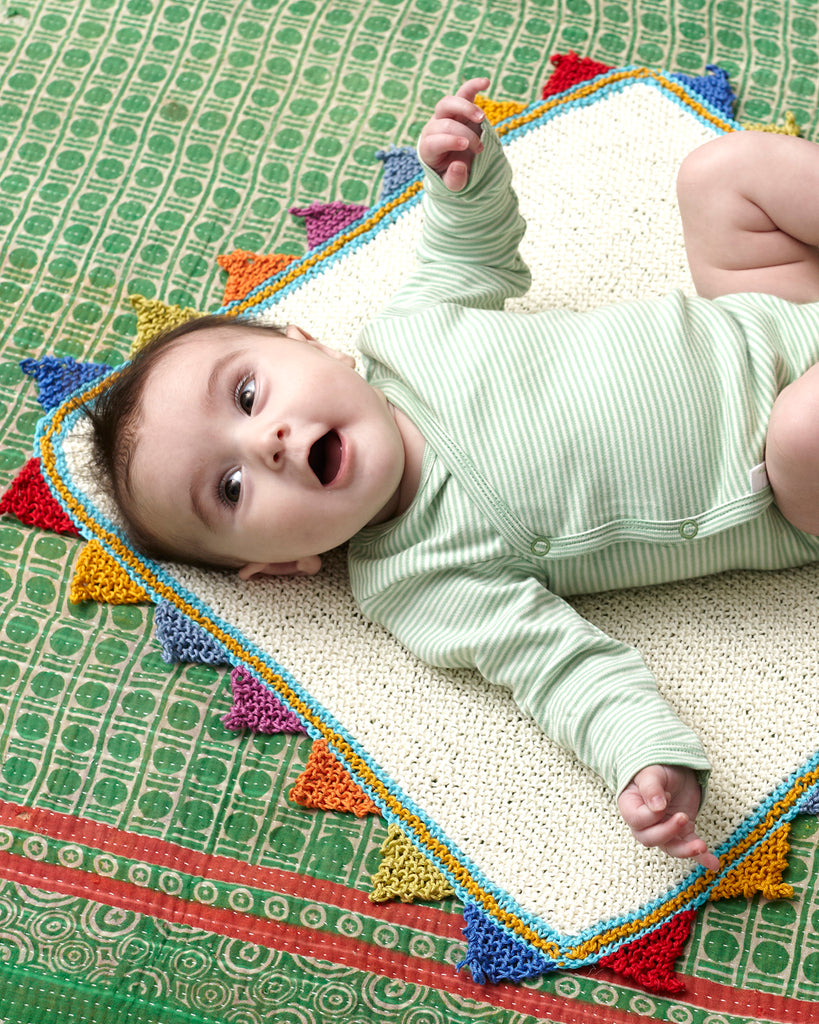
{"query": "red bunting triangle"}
(571, 70)
(32, 502)
(650, 959)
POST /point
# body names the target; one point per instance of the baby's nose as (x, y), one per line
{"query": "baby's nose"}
(272, 444)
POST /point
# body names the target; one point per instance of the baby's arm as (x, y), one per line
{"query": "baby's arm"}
(452, 137)
(659, 805)
(468, 245)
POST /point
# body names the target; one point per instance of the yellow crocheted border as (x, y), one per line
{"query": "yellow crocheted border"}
(373, 786)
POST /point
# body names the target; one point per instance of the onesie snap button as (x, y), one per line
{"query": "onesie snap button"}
(541, 546)
(689, 529)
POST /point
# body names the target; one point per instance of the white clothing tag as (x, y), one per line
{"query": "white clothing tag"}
(759, 478)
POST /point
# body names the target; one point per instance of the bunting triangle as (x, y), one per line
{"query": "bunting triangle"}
(790, 127)
(810, 804)
(498, 110)
(323, 221)
(325, 786)
(571, 70)
(257, 709)
(56, 377)
(713, 86)
(401, 166)
(30, 500)
(154, 317)
(761, 871)
(650, 959)
(405, 874)
(99, 577)
(182, 639)
(246, 270)
(494, 955)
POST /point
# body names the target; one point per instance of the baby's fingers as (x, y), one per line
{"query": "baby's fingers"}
(457, 108)
(689, 845)
(440, 138)
(664, 832)
(462, 107)
(470, 89)
(678, 838)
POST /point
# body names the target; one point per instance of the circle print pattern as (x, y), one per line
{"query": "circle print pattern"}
(242, 958)
(135, 145)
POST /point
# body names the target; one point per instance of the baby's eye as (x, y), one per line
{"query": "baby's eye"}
(245, 394)
(230, 490)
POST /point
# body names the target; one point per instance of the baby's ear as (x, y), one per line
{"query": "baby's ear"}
(298, 334)
(301, 567)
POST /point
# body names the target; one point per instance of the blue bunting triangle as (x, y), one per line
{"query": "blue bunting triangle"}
(183, 640)
(810, 805)
(401, 166)
(56, 378)
(493, 955)
(713, 86)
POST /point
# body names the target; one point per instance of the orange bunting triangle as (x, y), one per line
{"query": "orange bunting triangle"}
(154, 317)
(405, 874)
(246, 269)
(99, 577)
(325, 786)
(760, 872)
(29, 499)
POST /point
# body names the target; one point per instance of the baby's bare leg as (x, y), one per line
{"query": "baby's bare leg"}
(750, 208)
(792, 451)
(749, 203)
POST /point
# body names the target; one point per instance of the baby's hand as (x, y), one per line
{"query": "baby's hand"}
(659, 805)
(452, 137)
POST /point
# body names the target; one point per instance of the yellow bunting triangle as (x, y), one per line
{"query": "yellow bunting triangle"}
(790, 127)
(325, 786)
(497, 110)
(405, 873)
(154, 317)
(99, 577)
(760, 872)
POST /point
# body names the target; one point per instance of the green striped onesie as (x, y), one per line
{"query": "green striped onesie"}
(567, 453)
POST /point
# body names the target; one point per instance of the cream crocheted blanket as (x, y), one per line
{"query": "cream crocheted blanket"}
(516, 824)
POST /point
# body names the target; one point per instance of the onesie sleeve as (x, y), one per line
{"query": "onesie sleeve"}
(591, 694)
(468, 249)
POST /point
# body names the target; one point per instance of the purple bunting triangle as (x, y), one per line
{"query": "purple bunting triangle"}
(257, 709)
(324, 220)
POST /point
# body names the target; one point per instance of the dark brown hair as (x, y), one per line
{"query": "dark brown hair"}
(115, 419)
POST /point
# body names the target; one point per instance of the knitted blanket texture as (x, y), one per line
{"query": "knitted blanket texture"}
(527, 837)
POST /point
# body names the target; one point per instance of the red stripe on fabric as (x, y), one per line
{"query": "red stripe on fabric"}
(699, 992)
(722, 999)
(741, 1002)
(303, 942)
(66, 828)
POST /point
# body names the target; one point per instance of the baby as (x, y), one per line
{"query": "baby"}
(489, 464)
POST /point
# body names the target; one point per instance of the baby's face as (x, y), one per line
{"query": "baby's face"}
(257, 448)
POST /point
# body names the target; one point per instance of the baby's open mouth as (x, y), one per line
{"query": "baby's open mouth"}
(325, 457)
